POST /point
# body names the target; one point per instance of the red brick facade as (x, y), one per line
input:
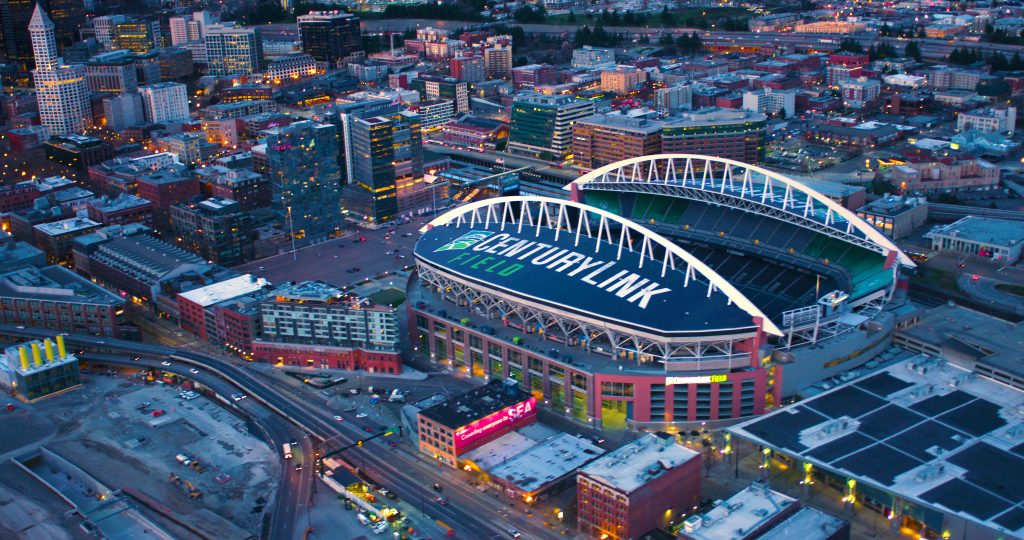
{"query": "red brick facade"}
(322, 357)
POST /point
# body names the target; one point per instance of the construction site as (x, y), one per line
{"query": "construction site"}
(132, 456)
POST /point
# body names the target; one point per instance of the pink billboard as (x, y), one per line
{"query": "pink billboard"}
(493, 425)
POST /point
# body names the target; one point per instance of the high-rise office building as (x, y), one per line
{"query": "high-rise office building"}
(103, 27)
(186, 28)
(123, 111)
(542, 125)
(728, 133)
(606, 138)
(216, 229)
(341, 114)
(68, 18)
(15, 45)
(432, 87)
(111, 73)
(165, 102)
(329, 36)
(385, 164)
(233, 50)
(137, 36)
(61, 91)
(303, 168)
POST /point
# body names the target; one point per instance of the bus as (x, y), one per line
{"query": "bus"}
(286, 449)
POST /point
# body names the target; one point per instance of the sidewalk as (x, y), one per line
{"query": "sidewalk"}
(724, 479)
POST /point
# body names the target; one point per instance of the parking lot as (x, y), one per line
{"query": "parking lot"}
(127, 434)
(348, 260)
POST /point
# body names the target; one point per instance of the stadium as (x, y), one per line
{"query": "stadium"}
(663, 291)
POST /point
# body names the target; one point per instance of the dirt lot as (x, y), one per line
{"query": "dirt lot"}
(100, 429)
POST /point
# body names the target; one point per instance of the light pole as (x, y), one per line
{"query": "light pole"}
(291, 225)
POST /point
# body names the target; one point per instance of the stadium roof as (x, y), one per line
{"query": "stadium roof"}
(744, 182)
(638, 280)
(923, 430)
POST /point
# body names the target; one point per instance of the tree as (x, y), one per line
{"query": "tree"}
(782, 113)
(572, 18)
(998, 62)
(666, 17)
(527, 14)
(1016, 63)
(851, 45)
(913, 50)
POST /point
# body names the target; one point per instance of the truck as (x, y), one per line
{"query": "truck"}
(286, 450)
(183, 459)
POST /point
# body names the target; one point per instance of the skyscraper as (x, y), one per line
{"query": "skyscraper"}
(15, 45)
(233, 50)
(165, 102)
(137, 36)
(61, 91)
(385, 164)
(303, 169)
(329, 36)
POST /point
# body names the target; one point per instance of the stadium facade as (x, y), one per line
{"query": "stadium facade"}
(668, 291)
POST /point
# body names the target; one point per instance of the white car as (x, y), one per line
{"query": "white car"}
(193, 371)
(238, 397)
(338, 418)
(165, 363)
(361, 415)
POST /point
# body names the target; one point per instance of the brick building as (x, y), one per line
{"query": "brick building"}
(637, 488)
(58, 299)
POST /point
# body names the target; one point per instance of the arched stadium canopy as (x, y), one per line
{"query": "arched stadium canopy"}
(517, 212)
(749, 183)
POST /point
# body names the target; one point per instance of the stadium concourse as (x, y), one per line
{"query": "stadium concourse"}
(663, 292)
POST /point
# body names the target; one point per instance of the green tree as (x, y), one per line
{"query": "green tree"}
(851, 45)
(666, 17)
(998, 62)
(913, 50)
(782, 113)
(1016, 63)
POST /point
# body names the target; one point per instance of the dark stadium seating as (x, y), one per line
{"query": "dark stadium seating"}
(774, 285)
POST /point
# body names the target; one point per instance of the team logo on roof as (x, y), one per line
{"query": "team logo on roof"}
(465, 241)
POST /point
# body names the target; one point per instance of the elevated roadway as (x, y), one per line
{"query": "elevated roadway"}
(469, 514)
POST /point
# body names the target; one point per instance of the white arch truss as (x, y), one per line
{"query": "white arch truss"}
(521, 212)
(749, 187)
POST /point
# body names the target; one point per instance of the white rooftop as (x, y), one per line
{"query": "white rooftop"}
(225, 290)
(630, 467)
(737, 517)
(546, 462)
(66, 226)
(807, 524)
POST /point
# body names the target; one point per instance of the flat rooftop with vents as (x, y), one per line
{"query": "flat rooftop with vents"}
(475, 404)
(925, 432)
